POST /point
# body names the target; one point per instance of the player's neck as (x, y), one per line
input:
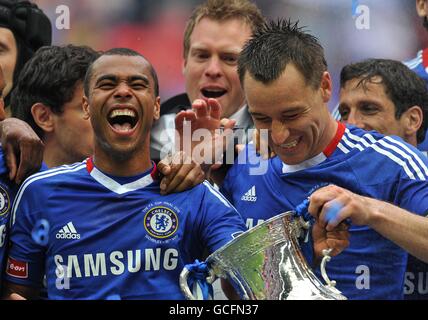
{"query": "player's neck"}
(411, 139)
(327, 135)
(54, 155)
(133, 165)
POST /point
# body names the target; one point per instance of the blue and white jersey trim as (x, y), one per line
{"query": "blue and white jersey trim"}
(413, 64)
(397, 151)
(217, 194)
(45, 174)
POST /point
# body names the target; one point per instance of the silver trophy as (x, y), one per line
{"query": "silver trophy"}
(266, 263)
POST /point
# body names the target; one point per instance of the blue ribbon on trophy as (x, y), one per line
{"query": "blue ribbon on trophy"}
(197, 280)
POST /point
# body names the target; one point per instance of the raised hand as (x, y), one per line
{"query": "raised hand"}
(179, 173)
(201, 133)
(22, 147)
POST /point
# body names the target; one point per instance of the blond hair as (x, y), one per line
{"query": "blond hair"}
(222, 10)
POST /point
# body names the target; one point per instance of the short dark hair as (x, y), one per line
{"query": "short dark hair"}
(278, 43)
(50, 77)
(401, 85)
(121, 52)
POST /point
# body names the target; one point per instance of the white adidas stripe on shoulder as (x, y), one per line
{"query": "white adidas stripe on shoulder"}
(335, 113)
(351, 144)
(402, 153)
(411, 64)
(342, 147)
(55, 169)
(42, 175)
(217, 194)
(410, 151)
(406, 153)
(393, 149)
(375, 145)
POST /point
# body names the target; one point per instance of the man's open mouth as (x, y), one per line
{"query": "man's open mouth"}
(123, 119)
(213, 93)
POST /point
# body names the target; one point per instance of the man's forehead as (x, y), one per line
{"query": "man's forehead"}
(232, 38)
(365, 82)
(119, 64)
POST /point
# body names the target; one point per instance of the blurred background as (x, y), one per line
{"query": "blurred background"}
(155, 28)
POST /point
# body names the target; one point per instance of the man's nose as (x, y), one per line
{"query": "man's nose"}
(123, 91)
(355, 119)
(279, 132)
(214, 68)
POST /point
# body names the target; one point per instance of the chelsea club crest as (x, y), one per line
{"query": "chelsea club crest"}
(4, 201)
(161, 222)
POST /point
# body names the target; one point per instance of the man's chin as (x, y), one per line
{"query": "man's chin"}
(291, 159)
(119, 152)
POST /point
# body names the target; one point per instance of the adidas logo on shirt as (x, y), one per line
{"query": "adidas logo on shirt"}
(250, 195)
(68, 232)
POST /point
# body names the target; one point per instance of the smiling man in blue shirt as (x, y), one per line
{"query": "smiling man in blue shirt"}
(110, 230)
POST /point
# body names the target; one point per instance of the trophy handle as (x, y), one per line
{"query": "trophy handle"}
(325, 259)
(184, 275)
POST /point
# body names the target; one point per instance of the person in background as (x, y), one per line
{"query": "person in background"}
(384, 95)
(214, 36)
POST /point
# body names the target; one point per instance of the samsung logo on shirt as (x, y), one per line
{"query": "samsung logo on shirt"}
(116, 263)
(416, 283)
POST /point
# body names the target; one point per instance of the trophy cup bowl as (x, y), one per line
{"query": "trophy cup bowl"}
(266, 263)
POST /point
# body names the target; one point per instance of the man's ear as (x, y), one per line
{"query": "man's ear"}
(412, 120)
(325, 87)
(156, 109)
(421, 8)
(43, 117)
(85, 106)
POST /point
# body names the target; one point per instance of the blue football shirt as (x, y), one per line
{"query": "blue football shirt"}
(7, 193)
(365, 163)
(113, 236)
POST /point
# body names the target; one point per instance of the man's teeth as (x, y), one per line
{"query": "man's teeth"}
(290, 144)
(122, 112)
(214, 90)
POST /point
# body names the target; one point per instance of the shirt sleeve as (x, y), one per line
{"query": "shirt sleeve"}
(412, 195)
(245, 158)
(219, 220)
(395, 172)
(25, 263)
(410, 192)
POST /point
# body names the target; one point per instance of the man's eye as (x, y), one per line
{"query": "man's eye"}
(106, 85)
(4, 49)
(230, 59)
(291, 116)
(344, 113)
(139, 86)
(262, 119)
(202, 56)
(369, 109)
